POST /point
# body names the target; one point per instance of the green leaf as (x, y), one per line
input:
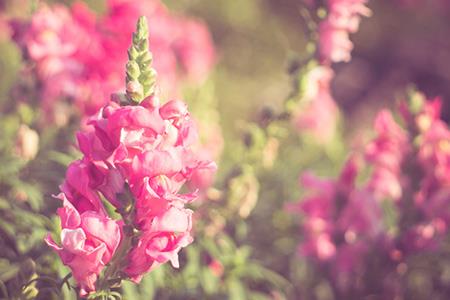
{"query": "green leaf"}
(8, 272)
(236, 290)
(147, 288)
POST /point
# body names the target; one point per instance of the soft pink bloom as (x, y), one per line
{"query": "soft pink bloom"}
(81, 57)
(338, 216)
(334, 43)
(386, 153)
(361, 216)
(150, 148)
(343, 18)
(317, 112)
(78, 188)
(88, 242)
(143, 152)
(346, 14)
(434, 153)
(168, 233)
(194, 44)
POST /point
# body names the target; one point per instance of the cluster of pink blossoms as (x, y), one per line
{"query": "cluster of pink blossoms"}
(80, 56)
(343, 18)
(318, 113)
(142, 152)
(340, 222)
(410, 166)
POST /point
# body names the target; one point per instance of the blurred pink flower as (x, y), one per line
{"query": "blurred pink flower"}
(338, 218)
(346, 14)
(81, 57)
(334, 43)
(317, 112)
(386, 153)
(343, 18)
(77, 187)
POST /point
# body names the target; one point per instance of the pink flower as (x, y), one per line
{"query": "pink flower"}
(386, 153)
(143, 153)
(88, 242)
(434, 153)
(194, 44)
(317, 113)
(78, 188)
(360, 217)
(338, 216)
(346, 14)
(334, 43)
(81, 57)
(161, 242)
(343, 18)
(148, 147)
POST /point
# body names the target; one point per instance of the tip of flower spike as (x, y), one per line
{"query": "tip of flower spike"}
(141, 77)
(142, 27)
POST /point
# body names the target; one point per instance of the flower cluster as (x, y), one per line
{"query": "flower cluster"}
(386, 153)
(341, 221)
(317, 112)
(409, 169)
(142, 152)
(80, 56)
(136, 157)
(343, 18)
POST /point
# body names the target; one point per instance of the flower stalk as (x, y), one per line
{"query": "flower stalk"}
(140, 76)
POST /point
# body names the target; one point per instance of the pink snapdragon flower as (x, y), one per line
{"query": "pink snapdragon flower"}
(168, 232)
(148, 147)
(317, 112)
(337, 216)
(88, 242)
(343, 18)
(334, 43)
(347, 14)
(386, 154)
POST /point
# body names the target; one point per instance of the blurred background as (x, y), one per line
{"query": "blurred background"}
(246, 243)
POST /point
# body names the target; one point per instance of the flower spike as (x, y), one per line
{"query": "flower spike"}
(141, 77)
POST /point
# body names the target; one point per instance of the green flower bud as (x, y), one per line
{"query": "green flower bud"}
(141, 77)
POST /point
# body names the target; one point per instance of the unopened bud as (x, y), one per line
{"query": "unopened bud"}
(135, 91)
(133, 70)
(133, 54)
(27, 143)
(146, 59)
